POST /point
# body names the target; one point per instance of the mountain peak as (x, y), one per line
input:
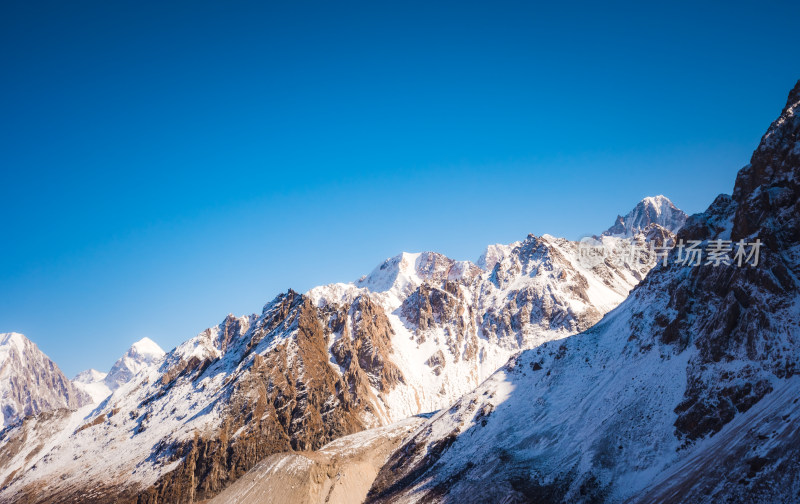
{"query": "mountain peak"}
(651, 210)
(146, 346)
(770, 180)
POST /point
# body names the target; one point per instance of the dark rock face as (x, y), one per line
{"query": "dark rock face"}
(766, 190)
(735, 302)
(430, 307)
(363, 347)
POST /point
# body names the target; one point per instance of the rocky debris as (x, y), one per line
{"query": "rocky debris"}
(339, 472)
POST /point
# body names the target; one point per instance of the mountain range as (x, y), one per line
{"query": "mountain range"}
(528, 376)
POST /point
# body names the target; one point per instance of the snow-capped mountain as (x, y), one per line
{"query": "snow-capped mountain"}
(686, 392)
(98, 385)
(413, 335)
(30, 383)
(651, 211)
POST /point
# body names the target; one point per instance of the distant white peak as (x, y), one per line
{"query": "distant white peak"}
(89, 376)
(146, 347)
(140, 355)
(651, 210)
(658, 202)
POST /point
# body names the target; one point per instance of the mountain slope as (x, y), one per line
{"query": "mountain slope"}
(686, 392)
(30, 383)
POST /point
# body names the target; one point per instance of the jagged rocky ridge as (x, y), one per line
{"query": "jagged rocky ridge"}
(686, 392)
(30, 383)
(651, 213)
(412, 336)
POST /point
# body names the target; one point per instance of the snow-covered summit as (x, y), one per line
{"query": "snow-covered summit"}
(139, 356)
(652, 210)
(147, 347)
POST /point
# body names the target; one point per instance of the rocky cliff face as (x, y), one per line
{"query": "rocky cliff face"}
(687, 392)
(30, 383)
(416, 333)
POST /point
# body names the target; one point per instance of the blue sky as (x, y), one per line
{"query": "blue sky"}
(164, 165)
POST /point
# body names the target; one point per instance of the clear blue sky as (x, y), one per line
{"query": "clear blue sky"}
(163, 165)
